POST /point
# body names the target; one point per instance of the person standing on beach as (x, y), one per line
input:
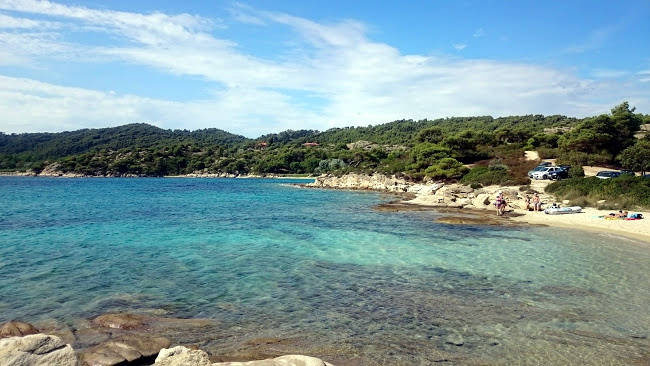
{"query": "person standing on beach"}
(536, 203)
(498, 203)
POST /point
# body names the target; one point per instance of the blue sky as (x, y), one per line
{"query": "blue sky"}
(265, 66)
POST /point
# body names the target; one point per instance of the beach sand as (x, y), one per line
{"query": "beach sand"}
(589, 220)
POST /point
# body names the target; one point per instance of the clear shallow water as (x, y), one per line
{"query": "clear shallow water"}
(320, 268)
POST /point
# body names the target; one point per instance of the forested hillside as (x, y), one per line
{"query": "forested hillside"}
(425, 149)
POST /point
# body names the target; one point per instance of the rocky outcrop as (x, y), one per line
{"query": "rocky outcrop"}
(431, 194)
(375, 182)
(182, 356)
(124, 349)
(16, 328)
(36, 350)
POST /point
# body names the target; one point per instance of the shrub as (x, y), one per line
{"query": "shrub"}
(624, 192)
(447, 168)
(486, 176)
(547, 152)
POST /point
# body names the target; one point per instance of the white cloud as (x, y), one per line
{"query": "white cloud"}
(8, 22)
(479, 33)
(356, 80)
(459, 46)
(30, 105)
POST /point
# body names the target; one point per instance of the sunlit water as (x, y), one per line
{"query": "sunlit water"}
(321, 267)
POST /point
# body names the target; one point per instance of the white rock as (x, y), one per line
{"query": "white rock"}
(182, 356)
(289, 360)
(36, 350)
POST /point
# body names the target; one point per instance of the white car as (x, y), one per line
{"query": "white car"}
(546, 173)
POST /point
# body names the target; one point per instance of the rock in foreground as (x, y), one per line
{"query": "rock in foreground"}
(124, 349)
(182, 356)
(36, 350)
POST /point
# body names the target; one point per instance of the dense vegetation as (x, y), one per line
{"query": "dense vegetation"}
(475, 150)
(624, 192)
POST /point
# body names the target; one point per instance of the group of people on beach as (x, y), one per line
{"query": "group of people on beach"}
(534, 204)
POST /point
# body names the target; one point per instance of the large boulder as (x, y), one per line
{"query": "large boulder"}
(127, 348)
(36, 350)
(16, 328)
(182, 356)
(481, 200)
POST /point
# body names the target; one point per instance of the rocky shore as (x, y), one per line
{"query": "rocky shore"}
(478, 204)
(117, 339)
(434, 194)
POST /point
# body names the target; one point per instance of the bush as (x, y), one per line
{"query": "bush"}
(447, 168)
(624, 192)
(486, 176)
(547, 152)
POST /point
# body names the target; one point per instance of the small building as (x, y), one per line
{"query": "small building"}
(309, 144)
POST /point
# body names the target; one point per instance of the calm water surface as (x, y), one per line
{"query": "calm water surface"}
(321, 268)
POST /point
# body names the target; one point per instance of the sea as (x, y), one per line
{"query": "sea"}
(321, 272)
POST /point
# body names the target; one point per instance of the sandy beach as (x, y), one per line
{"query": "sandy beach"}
(589, 220)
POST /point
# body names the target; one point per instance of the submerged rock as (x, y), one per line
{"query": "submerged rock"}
(127, 348)
(121, 321)
(36, 350)
(470, 220)
(455, 339)
(16, 328)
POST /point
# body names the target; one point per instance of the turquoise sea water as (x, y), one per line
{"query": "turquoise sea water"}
(268, 259)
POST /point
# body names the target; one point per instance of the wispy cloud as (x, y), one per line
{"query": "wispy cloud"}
(459, 46)
(479, 33)
(596, 39)
(609, 73)
(644, 76)
(357, 80)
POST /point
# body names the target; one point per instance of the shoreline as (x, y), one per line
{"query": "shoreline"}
(191, 175)
(437, 196)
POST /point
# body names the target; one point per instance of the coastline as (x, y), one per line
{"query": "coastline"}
(436, 196)
(190, 175)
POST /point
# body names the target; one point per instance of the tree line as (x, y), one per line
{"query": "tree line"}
(441, 149)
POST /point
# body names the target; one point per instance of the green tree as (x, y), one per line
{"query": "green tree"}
(636, 157)
(447, 168)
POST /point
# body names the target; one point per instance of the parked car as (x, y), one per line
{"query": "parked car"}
(538, 168)
(547, 172)
(627, 172)
(561, 173)
(607, 174)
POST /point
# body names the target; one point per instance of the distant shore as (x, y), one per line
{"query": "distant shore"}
(436, 195)
(191, 175)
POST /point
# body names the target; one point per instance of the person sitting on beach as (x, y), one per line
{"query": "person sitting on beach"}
(537, 204)
(527, 200)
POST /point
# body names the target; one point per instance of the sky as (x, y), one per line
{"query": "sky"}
(255, 67)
